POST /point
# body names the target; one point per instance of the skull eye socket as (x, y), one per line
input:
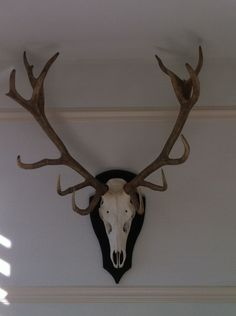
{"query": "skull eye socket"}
(108, 228)
(126, 227)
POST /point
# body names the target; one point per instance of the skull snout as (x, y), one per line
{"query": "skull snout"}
(117, 240)
(118, 258)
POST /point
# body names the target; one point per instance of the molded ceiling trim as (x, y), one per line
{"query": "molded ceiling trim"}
(188, 294)
(120, 113)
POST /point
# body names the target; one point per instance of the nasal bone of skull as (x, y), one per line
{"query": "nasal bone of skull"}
(118, 246)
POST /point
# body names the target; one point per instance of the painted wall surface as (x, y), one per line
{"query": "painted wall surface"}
(188, 236)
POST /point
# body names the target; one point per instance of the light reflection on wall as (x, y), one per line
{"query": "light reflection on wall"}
(5, 269)
(5, 242)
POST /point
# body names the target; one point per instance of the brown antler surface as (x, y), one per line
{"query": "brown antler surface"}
(35, 106)
(187, 93)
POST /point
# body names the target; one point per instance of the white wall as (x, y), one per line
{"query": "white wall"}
(189, 232)
(188, 237)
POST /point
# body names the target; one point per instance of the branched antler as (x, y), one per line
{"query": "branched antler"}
(35, 105)
(187, 93)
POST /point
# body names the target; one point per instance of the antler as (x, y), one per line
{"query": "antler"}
(187, 93)
(35, 106)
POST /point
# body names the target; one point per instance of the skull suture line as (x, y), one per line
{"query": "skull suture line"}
(117, 212)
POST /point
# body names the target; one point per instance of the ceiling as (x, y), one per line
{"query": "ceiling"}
(107, 47)
(124, 29)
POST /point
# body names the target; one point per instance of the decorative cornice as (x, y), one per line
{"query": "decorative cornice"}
(120, 113)
(170, 294)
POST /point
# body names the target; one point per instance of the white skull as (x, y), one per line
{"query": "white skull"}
(117, 213)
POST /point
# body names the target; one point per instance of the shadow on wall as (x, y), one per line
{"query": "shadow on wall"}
(5, 269)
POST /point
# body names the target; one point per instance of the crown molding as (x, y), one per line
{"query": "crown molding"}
(67, 295)
(120, 113)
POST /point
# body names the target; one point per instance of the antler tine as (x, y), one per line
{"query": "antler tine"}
(93, 203)
(39, 164)
(13, 92)
(156, 187)
(178, 84)
(183, 158)
(38, 94)
(195, 86)
(189, 83)
(29, 69)
(187, 92)
(200, 61)
(70, 189)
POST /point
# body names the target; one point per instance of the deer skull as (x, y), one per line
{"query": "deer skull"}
(117, 212)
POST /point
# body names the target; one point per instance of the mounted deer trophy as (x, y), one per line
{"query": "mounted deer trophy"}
(117, 207)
